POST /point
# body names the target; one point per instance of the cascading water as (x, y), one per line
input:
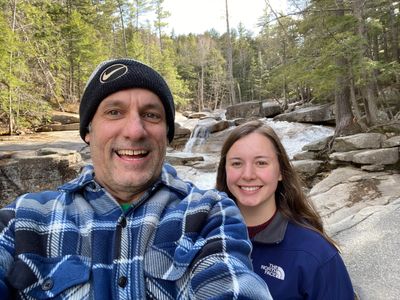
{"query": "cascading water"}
(197, 138)
(294, 137)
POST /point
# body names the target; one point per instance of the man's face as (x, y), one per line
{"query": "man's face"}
(128, 141)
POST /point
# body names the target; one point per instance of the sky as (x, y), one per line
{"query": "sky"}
(198, 16)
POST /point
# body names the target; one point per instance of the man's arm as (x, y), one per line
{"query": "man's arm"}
(222, 269)
(6, 248)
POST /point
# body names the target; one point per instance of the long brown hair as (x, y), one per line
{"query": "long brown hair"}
(290, 198)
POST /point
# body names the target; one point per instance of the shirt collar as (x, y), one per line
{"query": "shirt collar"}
(275, 231)
(168, 177)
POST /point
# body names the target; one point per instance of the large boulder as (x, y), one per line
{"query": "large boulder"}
(370, 250)
(58, 127)
(64, 117)
(384, 156)
(245, 110)
(358, 141)
(307, 168)
(360, 211)
(271, 109)
(371, 150)
(61, 121)
(181, 137)
(32, 171)
(320, 114)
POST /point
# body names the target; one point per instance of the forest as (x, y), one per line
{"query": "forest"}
(320, 51)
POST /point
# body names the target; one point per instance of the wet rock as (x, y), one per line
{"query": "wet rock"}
(319, 114)
(245, 110)
(358, 141)
(183, 159)
(271, 109)
(307, 168)
(181, 137)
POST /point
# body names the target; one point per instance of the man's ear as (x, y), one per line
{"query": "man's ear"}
(87, 138)
(87, 135)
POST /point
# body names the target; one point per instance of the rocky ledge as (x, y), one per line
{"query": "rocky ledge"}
(359, 200)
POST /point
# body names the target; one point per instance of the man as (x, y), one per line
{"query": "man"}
(127, 227)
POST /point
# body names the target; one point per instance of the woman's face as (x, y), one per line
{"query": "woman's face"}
(253, 173)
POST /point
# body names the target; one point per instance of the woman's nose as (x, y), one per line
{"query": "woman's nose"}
(248, 172)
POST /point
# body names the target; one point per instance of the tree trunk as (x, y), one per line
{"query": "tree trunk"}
(201, 89)
(10, 70)
(356, 107)
(121, 15)
(345, 121)
(394, 34)
(231, 84)
(368, 93)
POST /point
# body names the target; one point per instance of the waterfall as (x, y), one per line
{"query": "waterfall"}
(197, 138)
(293, 136)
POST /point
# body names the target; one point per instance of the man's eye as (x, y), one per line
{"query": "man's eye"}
(113, 112)
(151, 116)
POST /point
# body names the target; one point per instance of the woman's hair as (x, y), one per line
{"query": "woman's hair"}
(290, 199)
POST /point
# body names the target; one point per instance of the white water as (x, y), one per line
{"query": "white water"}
(294, 137)
(197, 138)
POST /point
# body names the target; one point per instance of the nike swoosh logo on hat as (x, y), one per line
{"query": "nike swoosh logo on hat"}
(105, 76)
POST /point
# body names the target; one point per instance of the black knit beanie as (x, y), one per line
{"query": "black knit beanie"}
(119, 74)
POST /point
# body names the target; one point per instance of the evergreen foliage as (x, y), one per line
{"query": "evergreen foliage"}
(341, 52)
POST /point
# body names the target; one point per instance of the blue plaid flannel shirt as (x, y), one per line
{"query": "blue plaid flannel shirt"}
(176, 242)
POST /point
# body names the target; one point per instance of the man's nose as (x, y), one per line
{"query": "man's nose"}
(134, 127)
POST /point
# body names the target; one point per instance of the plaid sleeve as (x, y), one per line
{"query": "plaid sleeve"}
(222, 268)
(6, 247)
(201, 247)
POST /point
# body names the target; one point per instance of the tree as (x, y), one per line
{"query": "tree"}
(244, 52)
(160, 23)
(10, 102)
(345, 123)
(203, 50)
(230, 79)
(366, 86)
(140, 8)
(122, 14)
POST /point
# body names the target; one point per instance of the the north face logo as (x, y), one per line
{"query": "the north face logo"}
(274, 271)
(113, 72)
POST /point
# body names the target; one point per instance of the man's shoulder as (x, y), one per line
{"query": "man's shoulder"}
(38, 199)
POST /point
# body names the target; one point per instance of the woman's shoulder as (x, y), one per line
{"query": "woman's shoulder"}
(309, 242)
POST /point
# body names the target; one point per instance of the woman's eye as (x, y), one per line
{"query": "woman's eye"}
(236, 164)
(262, 163)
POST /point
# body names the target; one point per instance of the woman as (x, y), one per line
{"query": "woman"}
(291, 250)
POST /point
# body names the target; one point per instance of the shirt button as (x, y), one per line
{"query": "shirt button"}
(123, 222)
(47, 284)
(122, 281)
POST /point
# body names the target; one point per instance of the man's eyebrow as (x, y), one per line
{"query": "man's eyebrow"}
(154, 105)
(112, 102)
